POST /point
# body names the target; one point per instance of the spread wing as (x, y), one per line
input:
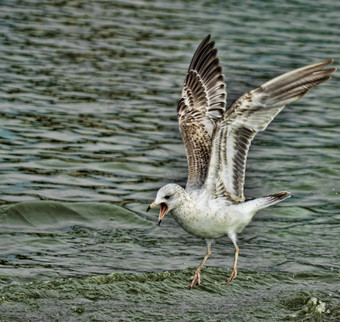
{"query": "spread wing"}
(250, 114)
(202, 105)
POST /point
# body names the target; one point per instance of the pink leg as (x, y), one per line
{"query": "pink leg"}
(234, 272)
(197, 276)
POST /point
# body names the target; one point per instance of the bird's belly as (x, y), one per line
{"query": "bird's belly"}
(214, 225)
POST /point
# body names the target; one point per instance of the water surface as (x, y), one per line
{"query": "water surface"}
(88, 133)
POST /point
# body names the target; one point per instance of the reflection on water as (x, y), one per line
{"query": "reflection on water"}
(88, 123)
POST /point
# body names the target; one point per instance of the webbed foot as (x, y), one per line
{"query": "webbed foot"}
(196, 280)
(232, 276)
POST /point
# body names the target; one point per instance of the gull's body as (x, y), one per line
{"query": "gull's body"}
(217, 141)
(214, 218)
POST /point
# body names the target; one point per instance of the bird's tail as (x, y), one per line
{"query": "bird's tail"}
(263, 202)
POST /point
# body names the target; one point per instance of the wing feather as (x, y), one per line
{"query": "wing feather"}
(202, 105)
(246, 117)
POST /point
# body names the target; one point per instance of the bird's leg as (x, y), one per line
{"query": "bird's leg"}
(237, 250)
(234, 272)
(197, 276)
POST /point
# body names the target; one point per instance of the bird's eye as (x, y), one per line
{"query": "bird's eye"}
(167, 197)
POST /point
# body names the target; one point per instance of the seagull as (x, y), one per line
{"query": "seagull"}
(212, 204)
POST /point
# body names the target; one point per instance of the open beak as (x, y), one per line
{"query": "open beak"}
(164, 209)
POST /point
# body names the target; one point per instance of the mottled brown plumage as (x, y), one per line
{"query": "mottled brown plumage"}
(252, 113)
(217, 140)
(202, 105)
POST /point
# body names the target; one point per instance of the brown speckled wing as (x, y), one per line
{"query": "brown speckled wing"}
(202, 105)
(248, 115)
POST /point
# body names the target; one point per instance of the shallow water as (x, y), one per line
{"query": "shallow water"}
(88, 133)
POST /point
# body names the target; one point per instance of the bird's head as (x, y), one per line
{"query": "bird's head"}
(168, 198)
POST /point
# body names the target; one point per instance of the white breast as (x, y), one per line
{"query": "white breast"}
(210, 221)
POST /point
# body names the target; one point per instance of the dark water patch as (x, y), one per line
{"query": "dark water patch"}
(165, 296)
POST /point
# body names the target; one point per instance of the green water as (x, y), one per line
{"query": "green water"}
(88, 133)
